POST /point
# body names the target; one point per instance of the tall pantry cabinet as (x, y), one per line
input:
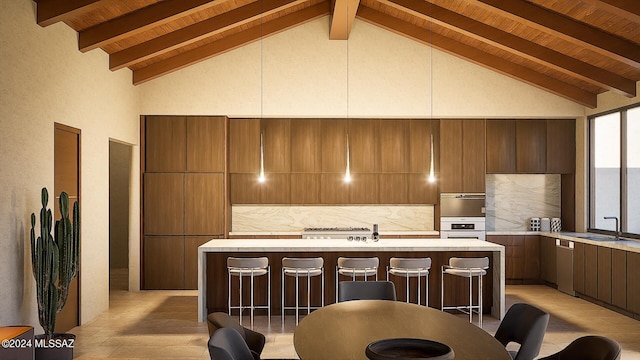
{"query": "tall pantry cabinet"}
(183, 197)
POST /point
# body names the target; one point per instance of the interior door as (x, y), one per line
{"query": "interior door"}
(67, 178)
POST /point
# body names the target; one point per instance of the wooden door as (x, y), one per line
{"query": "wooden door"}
(394, 147)
(604, 274)
(473, 156)
(451, 158)
(591, 270)
(276, 145)
(67, 178)
(619, 278)
(363, 149)
(204, 204)
(578, 267)
(206, 141)
(305, 146)
(244, 146)
(561, 146)
(165, 144)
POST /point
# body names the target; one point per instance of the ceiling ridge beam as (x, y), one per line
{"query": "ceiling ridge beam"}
(567, 28)
(197, 32)
(230, 42)
(139, 21)
(49, 12)
(342, 17)
(479, 57)
(514, 44)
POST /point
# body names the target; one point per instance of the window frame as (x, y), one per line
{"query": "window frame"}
(623, 172)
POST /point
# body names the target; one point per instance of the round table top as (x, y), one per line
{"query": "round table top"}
(343, 330)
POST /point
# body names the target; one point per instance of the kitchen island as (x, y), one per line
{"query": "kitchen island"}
(213, 280)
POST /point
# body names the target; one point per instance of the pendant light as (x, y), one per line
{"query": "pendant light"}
(261, 177)
(431, 178)
(347, 172)
(432, 175)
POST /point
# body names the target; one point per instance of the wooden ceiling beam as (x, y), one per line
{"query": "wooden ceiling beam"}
(343, 15)
(230, 42)
(139, 21)
(628, 9)
(479, 57)
(197, 32)
(566, 28)
(514, 44)
(52, 11)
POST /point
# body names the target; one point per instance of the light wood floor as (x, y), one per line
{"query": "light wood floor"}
(163, 324)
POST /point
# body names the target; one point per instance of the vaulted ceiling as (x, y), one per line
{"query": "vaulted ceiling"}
(576, 49)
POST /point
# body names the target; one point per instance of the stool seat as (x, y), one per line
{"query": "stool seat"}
(411, 268)
(466, 272)
(251, 268)
(301, 268)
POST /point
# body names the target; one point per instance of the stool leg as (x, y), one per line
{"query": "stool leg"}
(419, 290)
(282, 297)
(470, 298)
(269, 295)
(322, 295)
(426, 290)
(297, 295)
(240, 304)
(229, 296)
(442, 289)
(408, 287)
(308, 293)
(252, 303)
(480, 299)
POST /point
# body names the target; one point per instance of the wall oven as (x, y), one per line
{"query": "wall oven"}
(462, 216)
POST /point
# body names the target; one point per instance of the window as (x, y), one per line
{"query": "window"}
(615, 170)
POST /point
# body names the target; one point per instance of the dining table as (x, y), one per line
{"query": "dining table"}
(343, 330)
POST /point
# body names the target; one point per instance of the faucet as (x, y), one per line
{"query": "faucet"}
(617, 225)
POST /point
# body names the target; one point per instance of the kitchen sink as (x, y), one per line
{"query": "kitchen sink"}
(598, 237)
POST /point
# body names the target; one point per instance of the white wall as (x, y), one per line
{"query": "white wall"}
(45, 79)
(301, 73)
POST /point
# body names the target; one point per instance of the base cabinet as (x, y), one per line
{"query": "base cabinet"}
(522, 257)
(548, 257)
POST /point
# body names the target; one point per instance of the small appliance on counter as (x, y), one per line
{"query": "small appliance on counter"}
(462, 216)
(346, 233)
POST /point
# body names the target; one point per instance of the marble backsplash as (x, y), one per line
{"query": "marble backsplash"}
(274, 218)
(512, 199)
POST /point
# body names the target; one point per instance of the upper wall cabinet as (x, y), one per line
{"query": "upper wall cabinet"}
(305, 146)
(501, 146)
(561, 146)
(205, 143)
(462, 156)
(165, 144)
(333, 134)
(531, 146)
(394, 147)
(244, 146)
(363, 147)
(276, 140)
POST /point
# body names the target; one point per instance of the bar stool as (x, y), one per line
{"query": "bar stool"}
(302, 267)
(466, 267)
(355, 267)
(249, 267)
(411, 268)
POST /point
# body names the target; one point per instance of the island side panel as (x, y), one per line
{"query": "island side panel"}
(456, 289)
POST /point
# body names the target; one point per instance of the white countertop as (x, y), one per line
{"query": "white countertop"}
(300, 245)
(627, 245)
(298, 233)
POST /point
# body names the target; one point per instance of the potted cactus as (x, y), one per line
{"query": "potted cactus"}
(55, 264)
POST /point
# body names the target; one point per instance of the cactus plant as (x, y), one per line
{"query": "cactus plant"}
(54, 259)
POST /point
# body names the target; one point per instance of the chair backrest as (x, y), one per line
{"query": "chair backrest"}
(523, 324)
(358, 263)
(220, 320)
(589, 348)
(303, 263)
(366, 290)
(228, 344)
(469, 263)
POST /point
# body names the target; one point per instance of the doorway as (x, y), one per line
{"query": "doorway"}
(66, 175)
(119, 181)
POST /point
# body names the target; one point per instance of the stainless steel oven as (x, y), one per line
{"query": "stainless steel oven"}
(462, 216)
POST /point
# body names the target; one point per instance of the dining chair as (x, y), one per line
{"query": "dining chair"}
(366, 290)
(523, 324)
(227, 344)
(220, 320)
(590, 347)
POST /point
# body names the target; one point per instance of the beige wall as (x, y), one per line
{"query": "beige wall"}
(300, 73)
(45, 79)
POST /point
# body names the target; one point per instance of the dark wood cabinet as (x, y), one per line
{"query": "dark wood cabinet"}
(421, 191)
(532, 258)
(305, 189)
(591, 270)
(244, 146)
(205, 143)
(363, 146)
(333, 189)
(420, 144)
(363, 189)
(183, 194)
(531, 146)
(501, 146)
(578, 267)
(522, 257)
(633, 282)
(334, 145)
(163, 260)
(276, 139)
(604, 274)
(462, 156)
(561, 146)
(394, 147)
(548, 268)
(191, 244)
(619, 278)
(165, 144)
(244, 189)
(393, 189)
(306, 146)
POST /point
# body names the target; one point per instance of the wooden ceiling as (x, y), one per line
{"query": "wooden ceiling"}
(573, 48)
